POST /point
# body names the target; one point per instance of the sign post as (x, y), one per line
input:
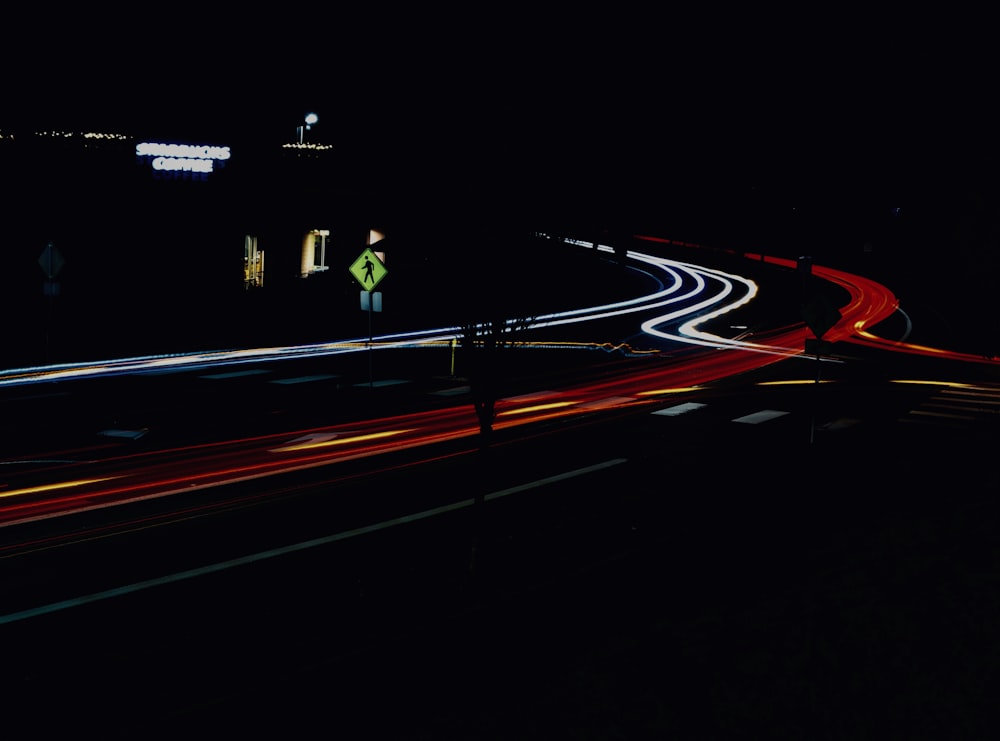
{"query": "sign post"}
(369, 270)
(51, 262)
(820, 315)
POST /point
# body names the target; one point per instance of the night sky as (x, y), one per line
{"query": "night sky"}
(880, 102)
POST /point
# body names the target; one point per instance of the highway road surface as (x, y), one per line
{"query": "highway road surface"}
(717, 515)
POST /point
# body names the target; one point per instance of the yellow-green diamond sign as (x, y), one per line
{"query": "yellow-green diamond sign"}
(368, 270)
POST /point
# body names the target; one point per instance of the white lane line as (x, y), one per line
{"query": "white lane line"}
(765, 415)
(988, 396)
(924, 413)
(129, 434)
(294, 548)
(236, 374)
(303, 379)
(455, 391)
(556, 478)
(678, 409)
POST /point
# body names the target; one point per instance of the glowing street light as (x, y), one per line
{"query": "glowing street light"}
(311, 118)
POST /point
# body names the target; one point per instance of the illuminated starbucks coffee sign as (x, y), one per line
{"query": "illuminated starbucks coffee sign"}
(182, 158)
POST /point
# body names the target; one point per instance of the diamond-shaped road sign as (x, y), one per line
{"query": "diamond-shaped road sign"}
(368, 270)
(820, 314)
(51, 261)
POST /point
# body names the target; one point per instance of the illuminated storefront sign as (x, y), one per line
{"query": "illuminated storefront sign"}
(182, 158)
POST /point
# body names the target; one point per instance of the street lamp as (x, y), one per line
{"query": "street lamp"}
(310, 119)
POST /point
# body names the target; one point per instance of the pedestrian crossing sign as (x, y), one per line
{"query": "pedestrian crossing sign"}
(368, 269)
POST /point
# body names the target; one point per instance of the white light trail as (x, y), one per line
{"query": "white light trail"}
(670, 275)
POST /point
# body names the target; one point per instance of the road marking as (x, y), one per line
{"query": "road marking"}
(455, 391)
(924, 413)
(236, 374)
(294, 548)
(386, 382)
(554, 479)
(836, 425)
(756, 418)
(989, 397)
(303, 379)
(678, 409)
(963, 408)
(130, 434)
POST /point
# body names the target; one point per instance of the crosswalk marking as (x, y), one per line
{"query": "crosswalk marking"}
(765, 415)
(303, 379)
(678, 409)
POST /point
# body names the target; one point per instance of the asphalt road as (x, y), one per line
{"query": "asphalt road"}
(727, 580)
(830, 573)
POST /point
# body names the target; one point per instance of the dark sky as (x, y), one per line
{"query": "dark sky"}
(800, 99)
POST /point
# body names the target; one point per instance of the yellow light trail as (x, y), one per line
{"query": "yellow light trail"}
(795, 382)
(53, 487)
(951, 384)
(664, 392)
(342, 441)
(538, 408)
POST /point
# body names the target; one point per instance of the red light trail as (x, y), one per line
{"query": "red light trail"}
(690, 295)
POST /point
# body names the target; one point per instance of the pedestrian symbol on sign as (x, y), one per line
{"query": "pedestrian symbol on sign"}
(368, 270)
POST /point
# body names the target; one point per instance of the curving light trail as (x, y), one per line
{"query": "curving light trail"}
(692, 294)
(686, 297)
(681, 285)
(869, 304)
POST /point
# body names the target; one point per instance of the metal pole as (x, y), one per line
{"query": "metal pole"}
(48, 319)
(812, 426)
(370, 309)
